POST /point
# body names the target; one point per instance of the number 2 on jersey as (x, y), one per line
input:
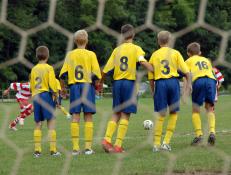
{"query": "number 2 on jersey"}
(166, 66)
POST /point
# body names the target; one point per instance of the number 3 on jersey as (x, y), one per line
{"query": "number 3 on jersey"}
(79, 72)
(166, 70)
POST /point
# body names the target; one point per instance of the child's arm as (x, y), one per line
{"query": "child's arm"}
(6, 92)
(151, 82)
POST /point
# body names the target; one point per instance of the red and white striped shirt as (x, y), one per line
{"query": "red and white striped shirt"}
(22, 89)
(218, 75)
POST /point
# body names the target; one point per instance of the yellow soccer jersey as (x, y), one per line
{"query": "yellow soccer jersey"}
(200, 67)
(42, 79)
(80, 65)
(123, 61)
(58, 85)
(166, 61)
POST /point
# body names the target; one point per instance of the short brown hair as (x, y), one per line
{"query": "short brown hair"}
(42, 53)
(81, 37)
(127, 31)
(194, 48)
(163, 37)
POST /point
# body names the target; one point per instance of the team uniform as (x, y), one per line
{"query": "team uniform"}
(166, 63)
(23, 95)
(59, 100)
(81, 66)
(43, 86)
(203, 89)
(122, 63)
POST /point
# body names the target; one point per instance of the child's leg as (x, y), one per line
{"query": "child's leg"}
(122, 129)
(75, 131)
(52, 135)
(170, 127)
(88, 131)
(64, 111)
(158, 129)
(196, 119)
(111, 126)
(211, 117)
(37, 137)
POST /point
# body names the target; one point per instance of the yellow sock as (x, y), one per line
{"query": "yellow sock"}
(88, 134)
(111, 127)
(75, 135)
(212, 121)
(197, 124)
(158, 130)
(122, 130)
(52, 138)
(65, 112)
(170, 128)
(37, 140)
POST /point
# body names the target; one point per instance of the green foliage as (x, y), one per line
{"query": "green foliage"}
(73, 15)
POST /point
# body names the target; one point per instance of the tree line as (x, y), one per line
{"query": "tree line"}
(77, 14)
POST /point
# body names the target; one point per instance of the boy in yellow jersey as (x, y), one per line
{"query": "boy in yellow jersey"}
(166, 62)
(81, 66)
(59, 101)
(204, 90)
(42, 82)
(123, 62)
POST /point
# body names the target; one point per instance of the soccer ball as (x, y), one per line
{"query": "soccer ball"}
(148, 124)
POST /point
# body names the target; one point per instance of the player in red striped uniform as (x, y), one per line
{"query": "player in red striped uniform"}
(22, 95)
(220, 79)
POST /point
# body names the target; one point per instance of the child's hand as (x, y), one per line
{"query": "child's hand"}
(6, 92)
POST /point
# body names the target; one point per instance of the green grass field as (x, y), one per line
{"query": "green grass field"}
(139, 158)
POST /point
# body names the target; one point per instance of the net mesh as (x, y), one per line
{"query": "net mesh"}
(98, 25)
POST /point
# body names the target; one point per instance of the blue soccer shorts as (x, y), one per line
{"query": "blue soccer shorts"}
(167, 94)
(82, 98)
(44, 107)
(204, 90)
(124, 96)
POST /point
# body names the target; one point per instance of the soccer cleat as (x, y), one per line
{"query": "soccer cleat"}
(21, 121)
(108, 147)
(118, 149)
(211, 139)
(166, 147)
(55, 154)
(88, 152)
(12, 126)
(76, 152)
(197, 140)
(68, 116)
(37, 154)
(156, 148)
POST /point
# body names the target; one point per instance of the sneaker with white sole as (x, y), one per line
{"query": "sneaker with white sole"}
(13, 128)
(76, 152)
(68, 116)
(37, 154)
(156, 148)
(55, 154)
(166, 147)
(89, 152)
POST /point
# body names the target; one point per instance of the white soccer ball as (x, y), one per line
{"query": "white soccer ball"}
(148, 124)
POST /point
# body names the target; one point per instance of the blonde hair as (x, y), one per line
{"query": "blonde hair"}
(163, 37)
(81, 37)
